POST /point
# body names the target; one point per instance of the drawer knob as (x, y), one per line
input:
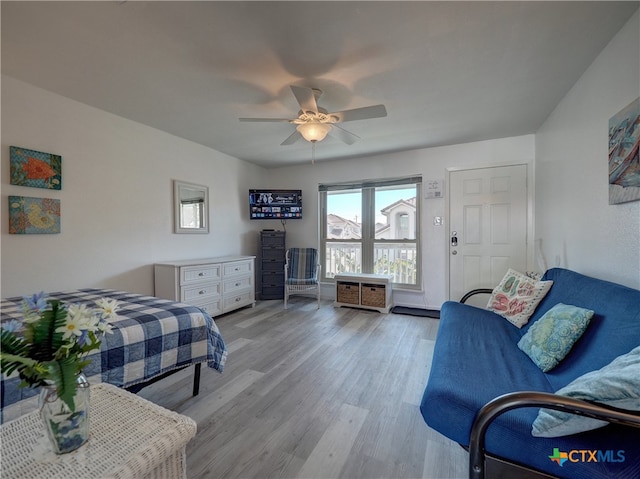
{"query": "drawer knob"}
(238, 284)
(238, 299)
(237, 268)
(201, 273)
(202, 291)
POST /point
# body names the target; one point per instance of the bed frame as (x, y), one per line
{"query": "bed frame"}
(196, 380)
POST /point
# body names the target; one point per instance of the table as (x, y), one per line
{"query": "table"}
(129, 437)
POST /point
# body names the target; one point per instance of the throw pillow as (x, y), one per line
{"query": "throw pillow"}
(617, 384)
(517, 296)
(551, 337)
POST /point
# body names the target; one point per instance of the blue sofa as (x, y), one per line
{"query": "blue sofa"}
(476, 359)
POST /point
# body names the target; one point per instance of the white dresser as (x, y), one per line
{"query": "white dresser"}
(215, 285)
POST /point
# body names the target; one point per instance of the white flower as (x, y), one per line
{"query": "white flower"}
(108, 308)
(104, 327)
(72, 327)
(82, 316)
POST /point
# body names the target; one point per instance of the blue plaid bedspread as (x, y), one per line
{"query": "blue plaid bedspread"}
(152, 336)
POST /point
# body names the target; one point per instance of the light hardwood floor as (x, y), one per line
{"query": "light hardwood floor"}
(308, 393)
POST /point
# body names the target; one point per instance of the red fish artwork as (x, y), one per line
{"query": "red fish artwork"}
(37, 169)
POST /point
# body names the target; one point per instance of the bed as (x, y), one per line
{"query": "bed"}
(154, 337)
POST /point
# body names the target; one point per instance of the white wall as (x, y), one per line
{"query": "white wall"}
(431, 164)
(117, 208)
(116, 197)
(577, 227)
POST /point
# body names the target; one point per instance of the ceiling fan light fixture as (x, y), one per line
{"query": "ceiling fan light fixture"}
(313, 132)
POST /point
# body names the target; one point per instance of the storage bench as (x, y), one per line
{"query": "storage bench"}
(362, 290)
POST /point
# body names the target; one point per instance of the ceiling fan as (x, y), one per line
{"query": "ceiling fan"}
(315, 123)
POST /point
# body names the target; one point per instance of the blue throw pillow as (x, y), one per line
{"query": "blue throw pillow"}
(617, 384)
(551, 338)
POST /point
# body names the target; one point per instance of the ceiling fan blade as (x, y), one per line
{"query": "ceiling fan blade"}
(295, 136)
(343, 135)
(374, 111)
(306, 98)
(266, 119)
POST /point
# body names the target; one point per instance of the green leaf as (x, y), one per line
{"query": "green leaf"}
(83, 364)
(63, 373)
(14, 356)
(31, 372)
(46, 341)
(90, 346)
(10, 362)
(12, 344)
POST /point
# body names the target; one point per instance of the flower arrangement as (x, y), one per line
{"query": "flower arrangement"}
(50, 345)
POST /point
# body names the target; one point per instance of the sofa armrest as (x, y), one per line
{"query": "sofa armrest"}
(507, 402)
(473, 292)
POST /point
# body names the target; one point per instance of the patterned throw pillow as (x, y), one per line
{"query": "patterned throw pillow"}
(617, 384)
(551, 337)
(517, 296)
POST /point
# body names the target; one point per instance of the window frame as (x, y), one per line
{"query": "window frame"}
(368, 241)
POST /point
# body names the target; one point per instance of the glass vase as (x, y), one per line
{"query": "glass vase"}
(67, 430)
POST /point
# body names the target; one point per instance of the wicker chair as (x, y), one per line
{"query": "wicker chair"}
(301, 273)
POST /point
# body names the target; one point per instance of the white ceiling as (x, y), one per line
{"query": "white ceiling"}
(448, 72)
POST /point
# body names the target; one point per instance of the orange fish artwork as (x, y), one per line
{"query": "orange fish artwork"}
(37, 169)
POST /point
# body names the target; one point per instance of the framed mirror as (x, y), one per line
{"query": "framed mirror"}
(191, 207)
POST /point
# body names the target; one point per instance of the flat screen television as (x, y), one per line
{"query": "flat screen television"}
(275, 204)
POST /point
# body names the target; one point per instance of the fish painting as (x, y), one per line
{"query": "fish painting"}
(35, 168)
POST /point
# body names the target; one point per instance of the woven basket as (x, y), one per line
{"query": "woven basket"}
(374, 295)
(348, 293)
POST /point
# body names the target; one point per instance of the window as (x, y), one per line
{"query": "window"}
(403, 225)
(372, 227)
(192, 213)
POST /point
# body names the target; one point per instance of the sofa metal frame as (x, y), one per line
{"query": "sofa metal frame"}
(480, 461)
(473, 292)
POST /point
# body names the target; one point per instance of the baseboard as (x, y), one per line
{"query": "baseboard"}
(416, 305)
(427, 313)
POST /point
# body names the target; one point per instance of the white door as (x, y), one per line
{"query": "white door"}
(487, 227)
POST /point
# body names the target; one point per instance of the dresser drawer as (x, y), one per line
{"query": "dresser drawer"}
(276, 254)
(275, 238)
(237, 301)
(272, 292)
(273, 265)
(192, 294)
(271, 278)
(197, 274)
(212, 307)
(237, 284)
(238, 268)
